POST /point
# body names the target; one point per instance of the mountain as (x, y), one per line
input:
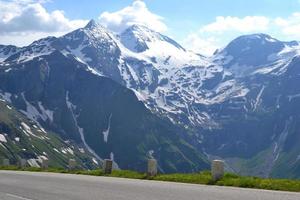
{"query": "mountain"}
(256, 132)
(165, 75)
(139, 94)
(63, 95)
(250, 52)
(139, 38)
(22, 138)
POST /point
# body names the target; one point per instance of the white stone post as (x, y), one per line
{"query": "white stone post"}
(45, 163)
(217, 169)
(6, 162)
(107, 166)
(152, 167)
(72, 164)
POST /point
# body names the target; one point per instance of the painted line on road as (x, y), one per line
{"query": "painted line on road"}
(17, 196)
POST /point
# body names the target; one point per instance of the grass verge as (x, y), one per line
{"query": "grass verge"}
(195, 178)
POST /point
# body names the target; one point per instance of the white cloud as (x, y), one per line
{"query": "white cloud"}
(217, 34)
(205, 46)
(24, 38)
(242, 25)
(22, 21)
(226, 28)
(30, 18)
(137, 13)
(289, 26)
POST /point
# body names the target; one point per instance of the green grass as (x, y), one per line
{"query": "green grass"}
(195, 178)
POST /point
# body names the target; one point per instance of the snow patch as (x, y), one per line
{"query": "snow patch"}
(258, 98)
(72, 108)
(81, 150)
(95, 161)
(106, 132)
(46, 114)
(7, 106)
(151, 153)
(55, 149)
(33, 113)
(33, 162)
(2, 138)
(112, 156)
(8, 70)
(6, 96)
(291, 97)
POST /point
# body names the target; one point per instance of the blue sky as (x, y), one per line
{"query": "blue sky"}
(201, 25)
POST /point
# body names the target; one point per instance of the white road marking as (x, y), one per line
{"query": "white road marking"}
(17, 197)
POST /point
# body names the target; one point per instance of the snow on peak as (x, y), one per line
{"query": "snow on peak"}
(137, 38)
(247, 43)
(249, 52)
(91, 24)
(254, 39)
(43, 42)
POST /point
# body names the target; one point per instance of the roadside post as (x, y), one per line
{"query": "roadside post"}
(152, 167)
(107, 166)
(72, 164)
(45, 163)
(217, 169)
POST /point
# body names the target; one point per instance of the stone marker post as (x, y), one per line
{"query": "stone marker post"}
(217, 169)
(152, 167)
(72, 164)
(6, 162)
(45, 163)
(23, 163)
(107, 166)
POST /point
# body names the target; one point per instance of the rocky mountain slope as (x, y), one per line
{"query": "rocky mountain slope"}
(22, 138)
(239, 104)
(65, 96)
(260, 129)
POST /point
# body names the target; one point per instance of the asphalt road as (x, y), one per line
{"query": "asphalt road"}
(46, 186)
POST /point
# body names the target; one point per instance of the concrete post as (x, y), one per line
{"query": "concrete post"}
(6, 162)
(107, 166)
(217, 169)
(45, 163)
(72, 164)
(152, 167)
(23, 163)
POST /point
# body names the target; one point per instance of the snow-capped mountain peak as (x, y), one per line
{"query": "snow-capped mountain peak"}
(93, 45)
(91, 24)
(258, 37)
(237, 93)
(158, 69)
(249, 53)
(248, 45)
(138, 38)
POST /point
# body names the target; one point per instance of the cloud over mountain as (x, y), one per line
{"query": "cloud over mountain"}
(137, 13)
(19, 17)
(30, 18)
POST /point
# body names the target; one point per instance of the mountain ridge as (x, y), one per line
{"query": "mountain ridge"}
(228, 105)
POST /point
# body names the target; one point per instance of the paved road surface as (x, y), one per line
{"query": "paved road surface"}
(46, 186)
